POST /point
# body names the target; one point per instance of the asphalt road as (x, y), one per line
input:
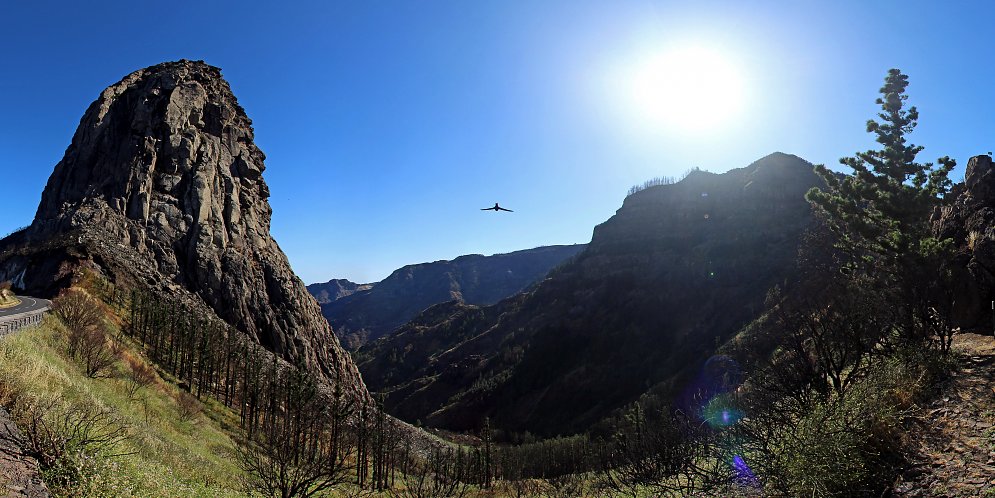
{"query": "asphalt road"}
(27, 304)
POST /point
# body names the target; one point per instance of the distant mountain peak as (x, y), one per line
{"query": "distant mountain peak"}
(335, 289)
(367, 314)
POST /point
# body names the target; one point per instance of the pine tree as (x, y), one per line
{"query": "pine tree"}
(486, 436)
(881, 213)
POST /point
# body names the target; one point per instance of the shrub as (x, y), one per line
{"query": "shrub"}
(79, 313)
(188, 406)
(661, 450)
(86, 337)
(303, 448)
(95, 353)
(5, 292)
(65, 437)
(140, 374)
(847, 444)
(438, 476)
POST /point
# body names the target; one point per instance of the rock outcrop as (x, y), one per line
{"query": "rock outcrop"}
(162, 188)
(366, 315)
(676, 272)
(969, 220)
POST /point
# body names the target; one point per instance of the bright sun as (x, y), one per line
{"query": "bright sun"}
(685, 89)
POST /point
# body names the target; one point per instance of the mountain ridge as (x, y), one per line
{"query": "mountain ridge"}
(366, 315)
(335, 289)
(675, 272)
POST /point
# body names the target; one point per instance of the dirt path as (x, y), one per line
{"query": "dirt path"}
(956, 454)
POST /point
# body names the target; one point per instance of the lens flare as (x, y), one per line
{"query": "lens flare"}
(744, 475)
(720, 412)
(713, 398)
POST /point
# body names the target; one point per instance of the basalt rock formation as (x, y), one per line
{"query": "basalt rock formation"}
(366, 315)
(678, 270)
(162, 188)
(969, 220)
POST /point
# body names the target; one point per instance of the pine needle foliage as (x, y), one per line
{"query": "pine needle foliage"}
(882, 209)
(881, 214)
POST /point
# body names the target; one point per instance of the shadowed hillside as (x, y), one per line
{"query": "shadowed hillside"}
(677, 271)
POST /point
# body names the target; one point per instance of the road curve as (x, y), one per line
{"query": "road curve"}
(28, 304)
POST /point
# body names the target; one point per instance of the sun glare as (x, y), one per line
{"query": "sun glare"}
(684, 89)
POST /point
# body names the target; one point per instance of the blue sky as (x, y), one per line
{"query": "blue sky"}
(387, 125)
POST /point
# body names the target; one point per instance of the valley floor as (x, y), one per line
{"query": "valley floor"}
(956, 448)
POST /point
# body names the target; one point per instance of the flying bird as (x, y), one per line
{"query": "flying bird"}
(496, 208)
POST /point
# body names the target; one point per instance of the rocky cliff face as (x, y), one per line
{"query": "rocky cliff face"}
(677, 271)
(367, 315)
(162, 187)
(969, 220)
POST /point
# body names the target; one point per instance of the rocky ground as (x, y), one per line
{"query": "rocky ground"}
(956, 449)
(18, 474)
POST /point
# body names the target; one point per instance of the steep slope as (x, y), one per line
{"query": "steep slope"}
(678, 269)
(367, 315)
(162, 188)
(335, 289)
(164, 454)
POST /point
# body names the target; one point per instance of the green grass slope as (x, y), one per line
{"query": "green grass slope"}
(168, 451)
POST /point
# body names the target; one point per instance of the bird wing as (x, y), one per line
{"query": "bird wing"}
(503, 209)
(486, 209)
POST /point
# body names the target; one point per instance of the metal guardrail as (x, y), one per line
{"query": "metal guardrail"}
(13, 323)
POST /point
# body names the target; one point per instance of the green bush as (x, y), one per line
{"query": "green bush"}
(853, 444)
